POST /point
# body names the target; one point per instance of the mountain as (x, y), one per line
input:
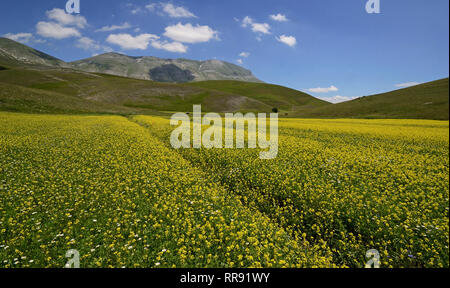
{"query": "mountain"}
(164, 70)
(14, 53)
(32, 81)
(426, 101)
(144, 68)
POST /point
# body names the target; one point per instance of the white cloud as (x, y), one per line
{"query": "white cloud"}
(407, 84)
(39, 40)
(89, 44)
(291, 41)
(57, 28)
(279, 18)
(332, 88)
(177, 12)
(128, 42)
(56, 31)
(240, 62)
(170, 10)
(175, 47)
(65, 19)
(337, 99)
(124, 26)
(151, 7)
(247, 21)
(190, 34)
(244, 54)
(141, 42)
(20, 37)
(263, 28)
(136, 10)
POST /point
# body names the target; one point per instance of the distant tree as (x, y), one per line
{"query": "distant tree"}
(275, 110)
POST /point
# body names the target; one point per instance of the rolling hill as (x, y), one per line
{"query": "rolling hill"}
(285, 99)
(32, 81)
(425, 101)
(55, 90)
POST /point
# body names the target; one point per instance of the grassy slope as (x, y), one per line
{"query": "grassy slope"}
(275, 96)
(125, 95)
(15, 98)
(70, 91)
(426, 101)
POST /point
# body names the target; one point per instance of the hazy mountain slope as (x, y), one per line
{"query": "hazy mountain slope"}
(163, 70)
(146, 68)
(276, 96)
(425, 101)
(14, 53)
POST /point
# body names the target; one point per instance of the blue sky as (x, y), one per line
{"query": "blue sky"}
(331, 49)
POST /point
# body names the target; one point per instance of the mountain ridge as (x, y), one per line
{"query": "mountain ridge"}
(179, 70)
(12, 51)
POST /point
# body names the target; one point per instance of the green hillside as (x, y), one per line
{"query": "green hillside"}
(32, 81)
(15, 98)
(276, 96)
(113, 94)
(425, 101)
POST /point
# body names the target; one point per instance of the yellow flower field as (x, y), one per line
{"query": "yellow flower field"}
(112, 188)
